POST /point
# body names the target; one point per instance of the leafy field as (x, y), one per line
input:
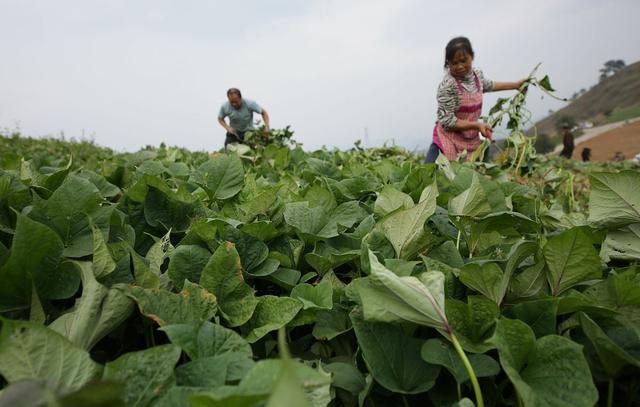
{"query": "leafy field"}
(281, 277)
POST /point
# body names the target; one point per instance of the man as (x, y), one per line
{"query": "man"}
(567, 141)
(240, 112)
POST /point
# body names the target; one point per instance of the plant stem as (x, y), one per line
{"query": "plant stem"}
(467, 365)
(610, 394)
(458, 240)
(459, 392)
(404, 400)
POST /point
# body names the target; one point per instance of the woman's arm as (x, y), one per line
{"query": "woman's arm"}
(508, 85)
(462, 125)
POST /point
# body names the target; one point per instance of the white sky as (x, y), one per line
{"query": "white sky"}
(132, 73)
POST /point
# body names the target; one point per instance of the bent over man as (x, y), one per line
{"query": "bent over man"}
(240, 112)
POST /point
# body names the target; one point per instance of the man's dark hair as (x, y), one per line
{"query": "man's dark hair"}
(457, 44)
(234, 91)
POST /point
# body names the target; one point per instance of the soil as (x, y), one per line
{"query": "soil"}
(625, 139)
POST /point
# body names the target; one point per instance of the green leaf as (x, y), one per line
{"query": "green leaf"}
(207, 340)
(29, 350)
(346, 376)
(316, 223)
(34, 260)
(263, 231)
(486, 279)
(146, 374)
(159, 252)
(314, 297)
(259, 204)
(223, 277)
(622, 244)
(357, 187)
(389, 200)
(103, 263)
(142, 273)
(550, 372)
(205, 372)
(571, 259)
(187, 263)
(472, 202)
(545, 83)
(271, 314)
(107, 189)
(616, 348)
(401, 267)
(309, 222)
(37, 392)
(213, 371)
(266, 268)
(221, 177)
(447, 254)
(330, 323)
(404, 227)
(191, 305)
(252, 251)
(614, 200)
(261, 381)
(540, 315)
(263, 378)
(386, 297)
(473, 322)
(98, 312)
(438, 352)
(322, 167)
(319, 195)
(168, 209)
(393, 358)
(287, 391)
(70, 210)
(529, 282)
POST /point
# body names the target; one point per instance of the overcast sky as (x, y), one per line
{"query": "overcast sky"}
(130, 73)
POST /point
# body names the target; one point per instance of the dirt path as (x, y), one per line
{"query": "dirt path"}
(588, 134)
(625, 139)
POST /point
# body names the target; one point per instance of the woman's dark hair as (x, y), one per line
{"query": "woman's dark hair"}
(457, 44)
(234, 91)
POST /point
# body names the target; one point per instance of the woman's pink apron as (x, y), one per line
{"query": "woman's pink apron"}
(452, 143)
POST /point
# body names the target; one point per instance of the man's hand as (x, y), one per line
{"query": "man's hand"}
(266, 130)
(232, 131)
(485, 130)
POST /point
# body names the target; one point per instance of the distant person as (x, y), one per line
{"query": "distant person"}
(586, 154)
(240, 112)
(618, 156)
(460, 103)
(567, 141)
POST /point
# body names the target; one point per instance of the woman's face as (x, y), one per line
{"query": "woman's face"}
(460, 65)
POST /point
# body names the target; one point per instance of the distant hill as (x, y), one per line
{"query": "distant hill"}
(615, 98)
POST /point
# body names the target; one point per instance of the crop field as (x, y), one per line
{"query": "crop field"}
(281, 277)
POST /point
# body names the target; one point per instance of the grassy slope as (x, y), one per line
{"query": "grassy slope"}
(616, 95)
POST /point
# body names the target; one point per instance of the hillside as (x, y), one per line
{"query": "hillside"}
(615, 98)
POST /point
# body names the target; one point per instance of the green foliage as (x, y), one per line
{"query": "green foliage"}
(161, 277)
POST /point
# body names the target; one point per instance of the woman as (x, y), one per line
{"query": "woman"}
(460, 103)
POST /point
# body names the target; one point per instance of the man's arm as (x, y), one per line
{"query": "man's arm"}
(224, 124)
(265, 119)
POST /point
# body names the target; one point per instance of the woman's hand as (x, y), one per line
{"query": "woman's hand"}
(521, 82)
(485, 130)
